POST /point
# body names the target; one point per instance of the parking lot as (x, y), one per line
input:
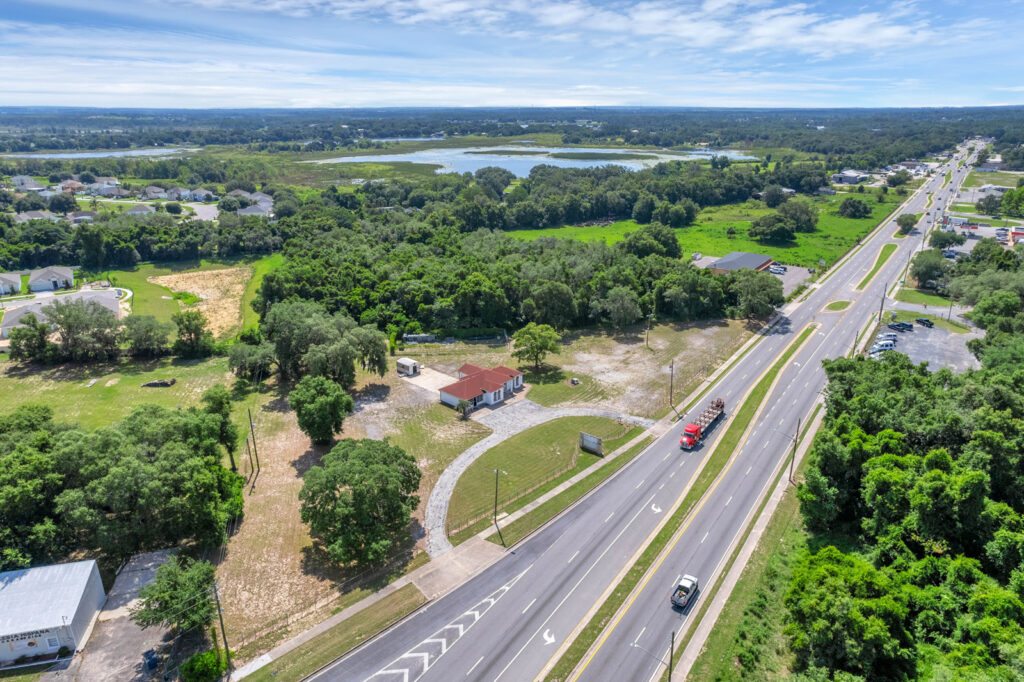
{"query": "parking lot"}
(791, 279)
(937, 346)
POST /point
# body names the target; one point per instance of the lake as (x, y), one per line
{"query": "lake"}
(521, 160)
(99, 155)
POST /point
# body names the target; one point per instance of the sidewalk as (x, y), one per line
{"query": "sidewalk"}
(451, 569)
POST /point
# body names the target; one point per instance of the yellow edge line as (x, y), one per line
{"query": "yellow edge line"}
(692, 516)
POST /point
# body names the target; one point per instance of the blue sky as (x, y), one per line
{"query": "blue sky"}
(358, 53)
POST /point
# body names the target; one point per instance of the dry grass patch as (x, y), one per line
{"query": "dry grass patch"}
(220, 292)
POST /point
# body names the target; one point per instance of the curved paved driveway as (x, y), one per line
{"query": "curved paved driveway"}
(506, 422)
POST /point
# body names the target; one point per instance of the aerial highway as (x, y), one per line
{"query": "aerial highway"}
(509, 621)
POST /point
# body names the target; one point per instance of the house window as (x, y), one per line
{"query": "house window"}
(52, 642)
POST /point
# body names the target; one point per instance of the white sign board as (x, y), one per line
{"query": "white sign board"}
(590, 443)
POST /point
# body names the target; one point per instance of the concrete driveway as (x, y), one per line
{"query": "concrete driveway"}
(430, 380)
(114, 651)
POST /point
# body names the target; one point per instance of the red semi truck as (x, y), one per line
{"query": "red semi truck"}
(693, 433)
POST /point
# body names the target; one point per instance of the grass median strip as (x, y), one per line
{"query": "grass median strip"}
(741, 596)
(536, 518)
(340, 639)
(838, 305)
(719, 458)
(887, 250)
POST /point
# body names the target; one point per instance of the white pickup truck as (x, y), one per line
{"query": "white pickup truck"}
(684, 591)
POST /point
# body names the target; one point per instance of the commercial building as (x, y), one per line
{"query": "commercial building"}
(47, 608)
(737, 260)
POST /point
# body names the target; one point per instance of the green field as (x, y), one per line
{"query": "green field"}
(529, 458)
(921, 297)
(883, 256)
(259, 269)
(977, 179)
(550, 387)
(534, 519)
(710, 236)
(28, 674)
(117, 388)
(329, 645)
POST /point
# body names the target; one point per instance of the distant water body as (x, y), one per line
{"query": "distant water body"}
(100, 155)
(521, 160)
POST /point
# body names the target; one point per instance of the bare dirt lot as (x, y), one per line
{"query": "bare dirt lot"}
(221, 293)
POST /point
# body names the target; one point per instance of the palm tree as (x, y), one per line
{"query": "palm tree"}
(463, 407)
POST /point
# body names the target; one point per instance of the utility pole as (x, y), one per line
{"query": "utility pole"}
(881, 303)
(220, 615)
(792, 457)
(647, 336)
(671, 652)
(671, 381)
(950, 313)
(252, 467)
(252, 430)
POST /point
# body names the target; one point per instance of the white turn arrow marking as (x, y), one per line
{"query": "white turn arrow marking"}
(655, 508)
(548, 638)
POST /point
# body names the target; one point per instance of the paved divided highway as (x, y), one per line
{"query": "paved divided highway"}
(508, 622)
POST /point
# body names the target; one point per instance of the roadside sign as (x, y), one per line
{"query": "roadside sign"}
(821, 262)
(590, 443)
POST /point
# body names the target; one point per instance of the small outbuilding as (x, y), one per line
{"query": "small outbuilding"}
(738, 260)
(407, 367)
(47, 608)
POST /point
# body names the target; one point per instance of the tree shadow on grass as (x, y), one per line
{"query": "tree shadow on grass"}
(370, 393)
(311, 457)
(317, 562)
(73, 372)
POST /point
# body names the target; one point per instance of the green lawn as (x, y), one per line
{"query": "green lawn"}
(963, 208)
(977, 179)
(940, 321)
(259, 269)
(536, 518)
(834, 236)
(883, 256)
(551, 386)
(529, 458)
(327, 646)
(838, 305)
(921, 297)
(117, 388)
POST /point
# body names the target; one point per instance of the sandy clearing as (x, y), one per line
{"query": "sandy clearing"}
(221, 293)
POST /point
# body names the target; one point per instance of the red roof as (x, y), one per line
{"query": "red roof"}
(484, 381)
(468, 369)
(507, 371)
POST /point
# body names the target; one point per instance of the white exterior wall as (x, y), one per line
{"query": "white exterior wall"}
(449, 399)
(89, 608)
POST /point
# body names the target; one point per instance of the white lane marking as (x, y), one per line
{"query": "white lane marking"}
(705, 537)
(639, 634)
(474, 666)
(661, 486)
(669, 454)
(676, 581)
(682, 463)
(672, 474)
(548, 638)
(568, 562)
(569, 594)
(655, 508)
(748, 470)
(609, 517)
(640, 483)
(807, 384)
(728, 501)
(415, 663)
(794, 400)
(745, 376)
(533, 600)
(765, 445)
(782, 420)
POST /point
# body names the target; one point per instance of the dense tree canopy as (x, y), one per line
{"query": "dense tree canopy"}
(151, 480)
(359, 500)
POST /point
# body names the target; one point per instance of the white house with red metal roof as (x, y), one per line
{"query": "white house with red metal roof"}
(480, 386)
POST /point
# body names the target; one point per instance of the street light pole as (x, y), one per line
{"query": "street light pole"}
(496, 471)
(792, 457)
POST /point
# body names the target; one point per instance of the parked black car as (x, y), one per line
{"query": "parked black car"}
(925, 322)
(896, 326)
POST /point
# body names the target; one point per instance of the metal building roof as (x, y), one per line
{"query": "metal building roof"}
(740, 259)
(42, 598)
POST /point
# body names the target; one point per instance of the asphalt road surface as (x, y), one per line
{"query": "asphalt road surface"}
(508, 622)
